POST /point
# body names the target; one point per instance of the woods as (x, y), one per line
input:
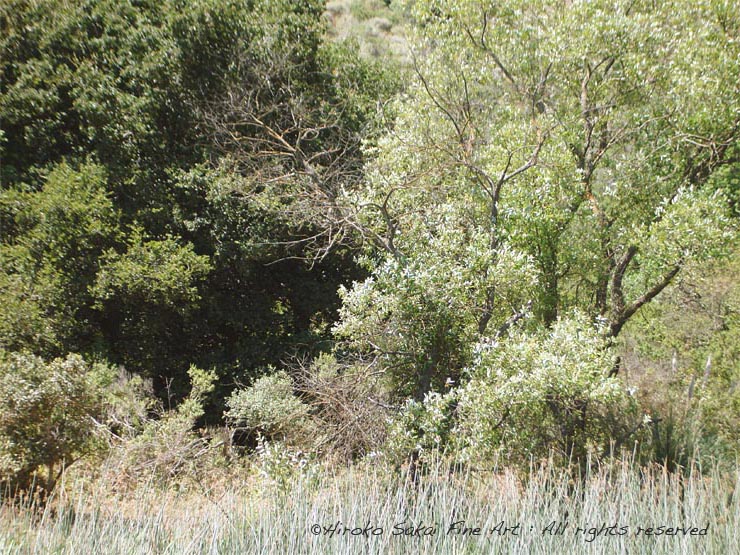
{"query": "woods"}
(143, 221)
(226, 238)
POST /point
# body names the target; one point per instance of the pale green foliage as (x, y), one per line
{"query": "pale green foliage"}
(424, 428)
(694, 225)
(47, 413)
(280, 464)
(553, 154)
(531, 396)
(128, 401)
(423, 311)
(268, 406)
(202, 382)
(547, 391)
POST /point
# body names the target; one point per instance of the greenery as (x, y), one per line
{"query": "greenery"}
(268, 407)
(134, 227)
(263, 243)
(48, 414)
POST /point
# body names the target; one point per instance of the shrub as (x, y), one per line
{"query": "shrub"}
(528, 396)
(167, 446)
(329, 408)
(347, 406)
(422, 430)
(547, 391)
(47, 415)
(268, 407)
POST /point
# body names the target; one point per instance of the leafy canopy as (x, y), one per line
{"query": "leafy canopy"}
(545, 157)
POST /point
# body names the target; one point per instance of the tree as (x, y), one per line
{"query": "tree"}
(49, 258)
(160, 99)
(148, 297)
(545, 157)
(291, 120)
(100, 79)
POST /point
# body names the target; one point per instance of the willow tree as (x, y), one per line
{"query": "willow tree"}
(546, 157)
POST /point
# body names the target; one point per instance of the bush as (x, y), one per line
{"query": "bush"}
(347, 406)
(549, 391)
(167, 446)
(268, 407)
(47, 416)
(529, 396)
(329, 408)
(423, 430)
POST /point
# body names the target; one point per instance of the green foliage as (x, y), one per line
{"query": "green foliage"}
(530, 397)
(202, 384)
(187, 183)
(50, 257)
(268, 407)
(425, 430)
(90, 77)
(128, 402)
(688, 343)
(179, 246)
(543, 159)
(160, 273)
(281, 465)
(47, 414)
(543, 392)
(422, 312)
(727, 180)
(146, 294)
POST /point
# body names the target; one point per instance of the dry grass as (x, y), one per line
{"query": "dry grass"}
(254, 515)
(379, 29)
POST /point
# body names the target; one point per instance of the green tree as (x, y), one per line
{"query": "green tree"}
(148, 296)
(49, 260)
(545, 157)
(162, 98)
(94, 78)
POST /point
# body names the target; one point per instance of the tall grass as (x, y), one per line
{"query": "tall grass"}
(267, 519)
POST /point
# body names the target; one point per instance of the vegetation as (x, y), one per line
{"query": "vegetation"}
(239, 521)
(47, 415)
(267, 241)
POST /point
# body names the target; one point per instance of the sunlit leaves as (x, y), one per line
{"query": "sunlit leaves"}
(537, 392)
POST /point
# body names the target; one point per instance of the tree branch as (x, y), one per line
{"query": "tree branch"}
(621, 317)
